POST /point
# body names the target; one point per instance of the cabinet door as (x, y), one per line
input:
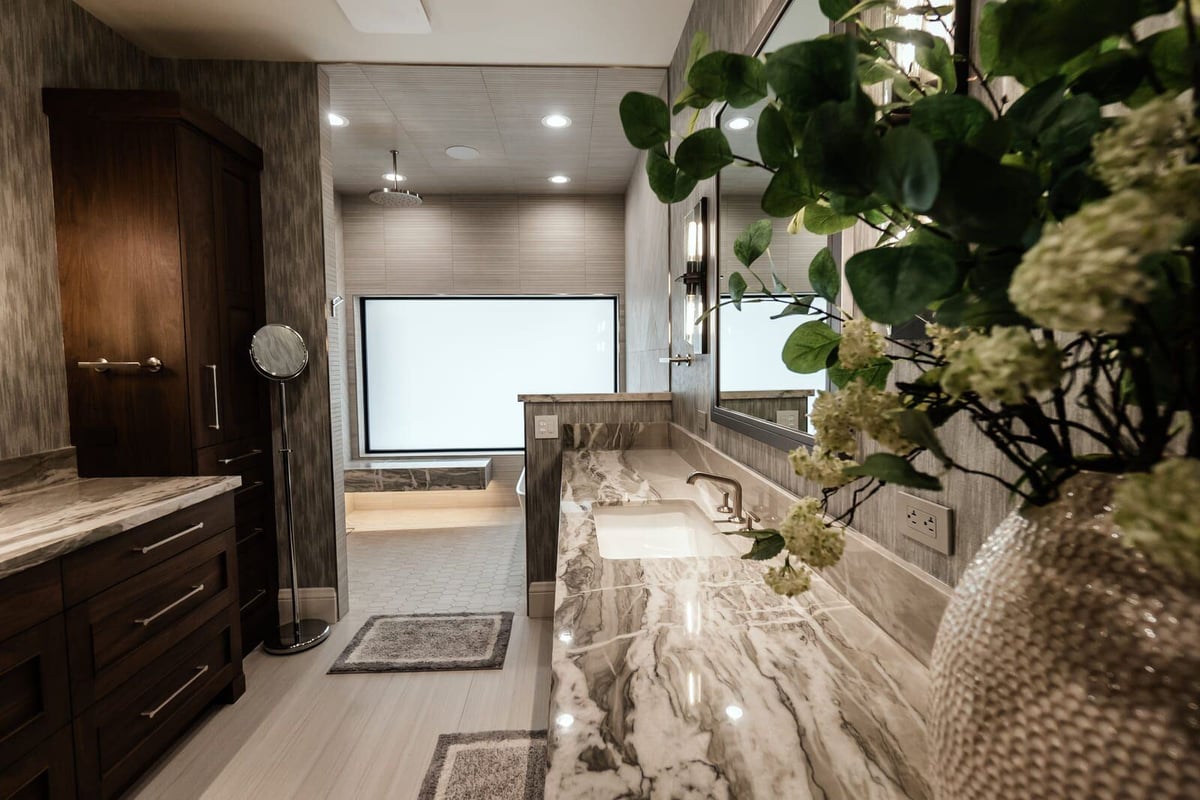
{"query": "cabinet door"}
(117, 223)
(208, 375)
(240, 276)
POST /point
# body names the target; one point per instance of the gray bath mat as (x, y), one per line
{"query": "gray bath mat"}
(420, 642)
(498, 765)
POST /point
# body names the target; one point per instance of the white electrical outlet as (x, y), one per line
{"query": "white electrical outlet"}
(926, 522)
(788, 419)
(701, 421)
(545, 427)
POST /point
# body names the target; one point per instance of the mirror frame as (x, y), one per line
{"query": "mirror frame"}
(769, 433)
(262, 371)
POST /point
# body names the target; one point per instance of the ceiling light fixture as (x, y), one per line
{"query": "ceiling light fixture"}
(559, 179)
(556, 121)
(739, 123)
(337, 120)
(461, 152)
(394, 177)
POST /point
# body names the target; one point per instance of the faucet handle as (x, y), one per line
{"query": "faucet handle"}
(750, 519)
(724, 508)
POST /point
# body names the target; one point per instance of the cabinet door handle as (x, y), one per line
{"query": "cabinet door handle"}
(260, 594)
(225, 462)
(147, 620)
(248, 488)
(151, 364)
(216, 392)
(253, 532)
(152, 713)
(169, 539)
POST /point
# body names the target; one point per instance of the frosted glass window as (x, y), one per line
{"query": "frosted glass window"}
(752, 347)
(443, 373)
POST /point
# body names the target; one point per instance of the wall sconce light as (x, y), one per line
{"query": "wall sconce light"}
(695, 275)
(914, 15)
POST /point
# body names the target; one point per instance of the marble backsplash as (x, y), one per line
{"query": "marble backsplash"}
(615, 435)
(898, 597)
(38, 470)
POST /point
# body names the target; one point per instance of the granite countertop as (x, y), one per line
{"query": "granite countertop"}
(40, 524)
(688, 677)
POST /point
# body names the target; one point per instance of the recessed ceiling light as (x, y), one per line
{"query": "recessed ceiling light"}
(559, 179)
(337, 120)
(393, 176)
(556, 121)
(462, 152)
(739, 123)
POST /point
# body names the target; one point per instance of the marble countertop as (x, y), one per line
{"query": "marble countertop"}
(689, 678)
(41, 524)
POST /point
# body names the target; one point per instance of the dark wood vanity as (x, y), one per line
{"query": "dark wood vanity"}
(158, 215)
(110, 651)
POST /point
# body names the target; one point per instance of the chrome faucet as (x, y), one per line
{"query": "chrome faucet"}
(736, 512)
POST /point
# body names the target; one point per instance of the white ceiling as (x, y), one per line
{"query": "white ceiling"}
(422, 110)
(585, 32)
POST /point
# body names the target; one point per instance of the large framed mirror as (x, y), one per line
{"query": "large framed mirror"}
(752, 391)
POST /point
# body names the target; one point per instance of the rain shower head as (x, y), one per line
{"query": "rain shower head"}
(395, 197)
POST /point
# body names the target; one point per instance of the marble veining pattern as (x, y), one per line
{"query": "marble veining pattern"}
(38, 470)
(615, 435)
(42, 524)
(416, 479)
(687, 677)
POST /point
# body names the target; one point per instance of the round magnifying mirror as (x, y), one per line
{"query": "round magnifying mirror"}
(278, 352)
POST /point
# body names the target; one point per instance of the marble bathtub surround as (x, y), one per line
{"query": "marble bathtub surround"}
(688, 677)
(37, 470)
(418, 476)
(615, 435)
(901, 599)
(41, 524)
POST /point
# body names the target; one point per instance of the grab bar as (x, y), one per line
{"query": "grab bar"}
(151, 364)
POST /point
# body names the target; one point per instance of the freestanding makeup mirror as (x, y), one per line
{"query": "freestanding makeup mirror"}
(279, 354)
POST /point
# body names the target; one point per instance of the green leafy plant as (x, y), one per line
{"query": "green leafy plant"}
(1050, 243)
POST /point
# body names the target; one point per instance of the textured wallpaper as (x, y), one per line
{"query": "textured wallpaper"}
(55, 43)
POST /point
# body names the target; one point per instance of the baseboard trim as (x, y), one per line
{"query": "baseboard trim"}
(541, 599)
(316, 602)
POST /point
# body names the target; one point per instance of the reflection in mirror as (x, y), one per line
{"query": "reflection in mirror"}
(278, 352)
(751, 377)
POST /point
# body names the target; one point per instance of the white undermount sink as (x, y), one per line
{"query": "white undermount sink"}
(670, 529)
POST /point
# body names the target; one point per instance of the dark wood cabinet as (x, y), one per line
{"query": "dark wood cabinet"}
(110, 652)
(159, 230)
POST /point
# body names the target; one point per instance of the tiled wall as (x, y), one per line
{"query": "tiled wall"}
(979, 504)
(470, 244)
(55, 43)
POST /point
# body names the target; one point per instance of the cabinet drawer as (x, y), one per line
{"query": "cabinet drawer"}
(34, 690)
(29, 597)
(89, 571)
(45, 773)
(249, 458)
(118, 632)
(119, 736)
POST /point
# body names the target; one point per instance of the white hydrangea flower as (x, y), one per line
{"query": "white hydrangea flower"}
(807, 536)
(1083, 274)
(1006, 365)
(858, 407)
(1150, 144)
(1157, 512)
(942, 336)
(820, 466)
(860, 345)
(788, 580)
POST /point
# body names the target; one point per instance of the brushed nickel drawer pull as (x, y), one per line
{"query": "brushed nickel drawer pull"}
(152, 713)
(216, 423)
(195, 591)
(151, 364)
(260, 594)
(250, 487)
(225, 462)
(169, 539)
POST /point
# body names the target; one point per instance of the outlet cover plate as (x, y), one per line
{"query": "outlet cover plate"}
(926, 522)
(701, 421)
(545, 427)
(788, 419)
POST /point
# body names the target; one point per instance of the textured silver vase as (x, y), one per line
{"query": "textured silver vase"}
(1067, 665)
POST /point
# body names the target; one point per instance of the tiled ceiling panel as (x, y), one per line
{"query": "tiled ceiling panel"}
(421, 110)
